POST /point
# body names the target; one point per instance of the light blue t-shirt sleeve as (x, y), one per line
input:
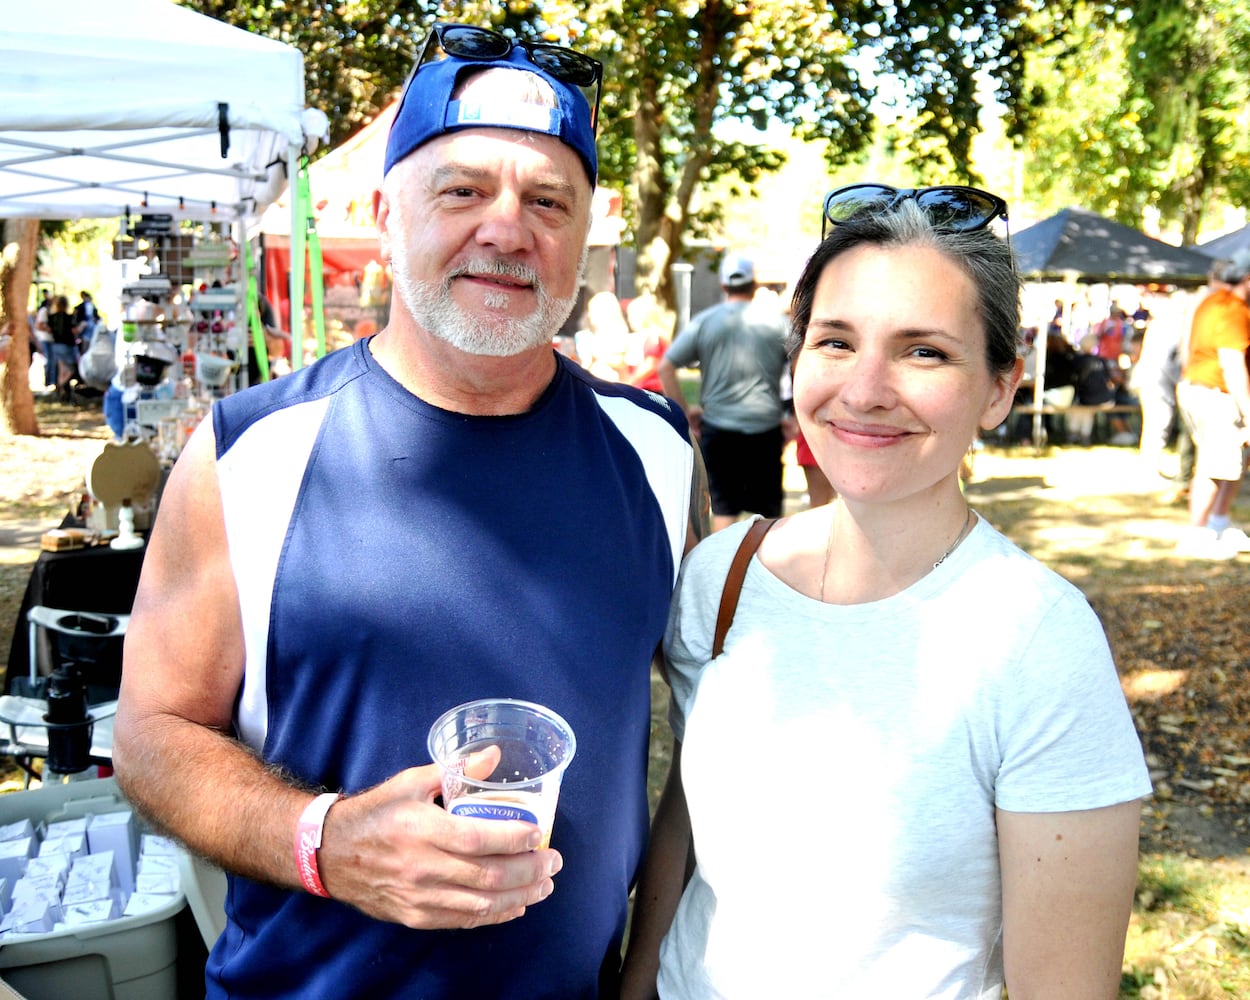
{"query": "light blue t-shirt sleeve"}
(1067, 738)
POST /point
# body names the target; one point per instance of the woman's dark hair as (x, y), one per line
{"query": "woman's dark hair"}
(984, 257)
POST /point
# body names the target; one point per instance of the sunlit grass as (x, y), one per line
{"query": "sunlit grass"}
(1189, 938)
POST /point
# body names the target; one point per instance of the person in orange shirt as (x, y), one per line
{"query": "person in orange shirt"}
(1214, 397)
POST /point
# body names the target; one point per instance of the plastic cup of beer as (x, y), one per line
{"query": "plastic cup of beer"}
(535, 746)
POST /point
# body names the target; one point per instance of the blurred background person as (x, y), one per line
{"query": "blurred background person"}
(739, 348)
(1153, 380)
(648, 340)
(602, 344)
(1113, 334)
(64, 351)
(43, 337)
(86, 317)
(1214, 396)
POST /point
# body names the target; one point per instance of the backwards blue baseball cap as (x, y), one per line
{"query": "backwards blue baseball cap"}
(427, 109)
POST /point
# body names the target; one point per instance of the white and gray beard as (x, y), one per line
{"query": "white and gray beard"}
(431, 306)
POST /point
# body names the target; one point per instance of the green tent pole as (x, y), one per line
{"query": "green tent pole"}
(253, 312)
(316, 273)
(302, 210)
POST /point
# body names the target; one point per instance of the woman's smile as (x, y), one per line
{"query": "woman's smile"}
(868, 435)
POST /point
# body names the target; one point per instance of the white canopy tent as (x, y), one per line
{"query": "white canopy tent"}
(141, 105)
(115, 108)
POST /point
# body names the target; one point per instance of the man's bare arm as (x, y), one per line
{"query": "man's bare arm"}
(389, 851)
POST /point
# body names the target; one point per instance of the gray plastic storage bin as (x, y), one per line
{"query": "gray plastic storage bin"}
(129, 958)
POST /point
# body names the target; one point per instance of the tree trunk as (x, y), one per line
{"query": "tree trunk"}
(651, 191)
(20, 239)
(664, 201)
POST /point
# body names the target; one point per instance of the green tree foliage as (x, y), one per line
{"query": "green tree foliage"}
(943, 59)
(1084, 145)
(678, 70)
(1187, 62)
(1141, 108)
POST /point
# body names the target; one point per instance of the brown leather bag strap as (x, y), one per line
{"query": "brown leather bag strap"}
(733, 580)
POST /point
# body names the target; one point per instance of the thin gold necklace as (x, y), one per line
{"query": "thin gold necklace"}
(963, 533)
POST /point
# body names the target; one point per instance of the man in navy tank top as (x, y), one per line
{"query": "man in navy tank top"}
(449, 510)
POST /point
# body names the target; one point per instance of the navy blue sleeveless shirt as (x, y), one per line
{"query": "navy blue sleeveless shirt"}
(393, 560)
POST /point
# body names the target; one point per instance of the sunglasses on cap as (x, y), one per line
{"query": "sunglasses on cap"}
(951, 207)
(466, 41)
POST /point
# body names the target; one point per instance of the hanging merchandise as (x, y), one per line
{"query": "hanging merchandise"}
(124, 245)
(212, 370)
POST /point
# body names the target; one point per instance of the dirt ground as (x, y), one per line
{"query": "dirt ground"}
(1093, 514)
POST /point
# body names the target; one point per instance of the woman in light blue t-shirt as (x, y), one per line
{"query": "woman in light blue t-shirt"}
(911, 772)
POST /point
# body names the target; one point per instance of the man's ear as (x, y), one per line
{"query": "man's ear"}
(381, 218)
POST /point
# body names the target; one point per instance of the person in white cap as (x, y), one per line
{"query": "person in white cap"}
(739, 347)
(445, 511)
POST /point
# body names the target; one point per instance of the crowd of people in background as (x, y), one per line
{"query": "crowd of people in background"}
(1127, 364)
(1182, 381)
(1123, 360)
(59, 336)
(1085, 370)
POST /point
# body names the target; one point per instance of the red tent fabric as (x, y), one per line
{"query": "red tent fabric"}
(342, 184)
(349, 267)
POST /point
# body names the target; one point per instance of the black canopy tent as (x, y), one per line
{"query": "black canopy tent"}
(1223, 247)
(1081, 245)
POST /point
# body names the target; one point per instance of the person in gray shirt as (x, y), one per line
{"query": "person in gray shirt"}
(739, 347)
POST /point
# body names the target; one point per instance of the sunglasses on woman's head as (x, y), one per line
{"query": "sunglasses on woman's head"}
(465, 41)
(952, 207)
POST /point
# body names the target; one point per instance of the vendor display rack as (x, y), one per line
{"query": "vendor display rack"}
(183, 326)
